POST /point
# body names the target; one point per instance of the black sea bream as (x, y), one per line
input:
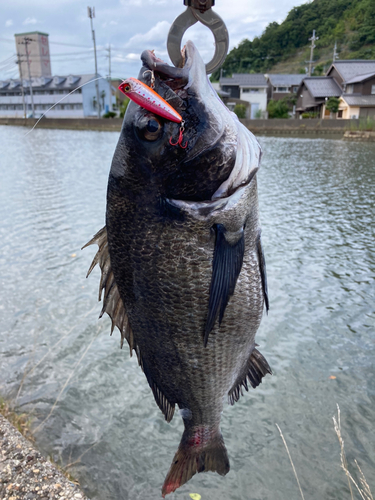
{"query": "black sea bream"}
(183, 270)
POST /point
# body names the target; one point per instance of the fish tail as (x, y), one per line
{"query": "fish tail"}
(201, 449)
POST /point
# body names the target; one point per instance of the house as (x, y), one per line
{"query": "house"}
(49, 90)
(357, 79)
(278, 86)
(313, 93)
(249, 87)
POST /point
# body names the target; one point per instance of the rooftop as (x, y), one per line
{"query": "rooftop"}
(285, 80)
(69, 82)
(322, 86)
(245, 80)
(31, 33)
(361, 78)
(353, 68)
(359, 100)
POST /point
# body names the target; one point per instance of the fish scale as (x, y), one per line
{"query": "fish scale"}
(184, 248)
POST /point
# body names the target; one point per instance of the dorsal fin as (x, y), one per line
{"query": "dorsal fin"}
(112, 302)
(114, 307)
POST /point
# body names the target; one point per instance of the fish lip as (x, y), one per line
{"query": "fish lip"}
(174, 77)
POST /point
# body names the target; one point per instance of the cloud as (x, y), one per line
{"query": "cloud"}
(30, 20)
(9, 22)
(157, 34)
(113, 23)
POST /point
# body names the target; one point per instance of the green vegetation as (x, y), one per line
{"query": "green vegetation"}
(333, 104)
(350, 23)
(21, 421)
(240, 110)
(277, 109)
(123, 107)
(109, 114)
(366, 124)
(281, 108)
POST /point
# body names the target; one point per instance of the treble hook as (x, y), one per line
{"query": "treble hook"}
(180, 137)
(152, 84)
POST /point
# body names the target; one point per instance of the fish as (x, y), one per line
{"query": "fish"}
(182, 264)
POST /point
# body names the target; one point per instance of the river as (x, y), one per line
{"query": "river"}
(90, 402)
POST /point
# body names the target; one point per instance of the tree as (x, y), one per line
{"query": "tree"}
(240, 110)
(333, 104)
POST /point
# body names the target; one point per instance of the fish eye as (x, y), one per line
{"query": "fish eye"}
(127, 88)
(149, 127)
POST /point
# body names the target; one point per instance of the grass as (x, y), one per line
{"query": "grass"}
(364, 124)
(21, 421)
(362, 488)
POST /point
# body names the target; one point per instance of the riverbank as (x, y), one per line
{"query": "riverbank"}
(311, 127)
(26, 475)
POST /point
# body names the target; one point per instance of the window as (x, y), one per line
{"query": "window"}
(282, 89)
(339, 113)
(372, 89)
(349, 89)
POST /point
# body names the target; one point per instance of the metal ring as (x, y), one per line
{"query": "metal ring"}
(210, 19)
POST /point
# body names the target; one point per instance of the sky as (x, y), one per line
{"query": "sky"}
(128, 26)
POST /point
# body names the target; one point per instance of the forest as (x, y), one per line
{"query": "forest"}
(349, 23)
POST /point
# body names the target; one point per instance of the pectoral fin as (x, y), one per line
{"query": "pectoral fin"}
(227, 264)
(263, 273)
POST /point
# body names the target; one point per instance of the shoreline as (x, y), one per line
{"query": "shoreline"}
(25, 474)
(344, 129)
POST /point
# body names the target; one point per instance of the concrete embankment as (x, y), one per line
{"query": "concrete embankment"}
(26, 475)
(360, 135)
(284, 127)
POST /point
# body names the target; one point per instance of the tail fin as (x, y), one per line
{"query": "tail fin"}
(201, 449)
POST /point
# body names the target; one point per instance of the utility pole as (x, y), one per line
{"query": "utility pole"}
(109, 77)
(26, 42)
(335, 53)
(19, 61)
(91, 14)
(312, 47)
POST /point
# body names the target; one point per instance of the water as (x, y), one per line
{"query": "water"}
(317, 212)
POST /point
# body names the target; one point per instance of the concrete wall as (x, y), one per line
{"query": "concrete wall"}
(287, 126)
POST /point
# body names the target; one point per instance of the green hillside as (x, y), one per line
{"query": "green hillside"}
(285, 47)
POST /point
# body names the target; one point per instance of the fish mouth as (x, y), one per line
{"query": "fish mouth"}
(175, 78)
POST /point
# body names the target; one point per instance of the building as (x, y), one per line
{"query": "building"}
(48, 91)
(313, 93)
(357, 80)
(279, 86)
(37, 46)
(249, 87)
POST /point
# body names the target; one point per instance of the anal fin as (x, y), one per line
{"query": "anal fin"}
(255, 369)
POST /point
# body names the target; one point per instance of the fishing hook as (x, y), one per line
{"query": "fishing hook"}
(152, 84)
(180, 137)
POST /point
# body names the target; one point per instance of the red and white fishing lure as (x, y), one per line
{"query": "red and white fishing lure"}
(147, 98)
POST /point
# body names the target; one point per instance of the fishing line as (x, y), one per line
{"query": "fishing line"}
(65, 96)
